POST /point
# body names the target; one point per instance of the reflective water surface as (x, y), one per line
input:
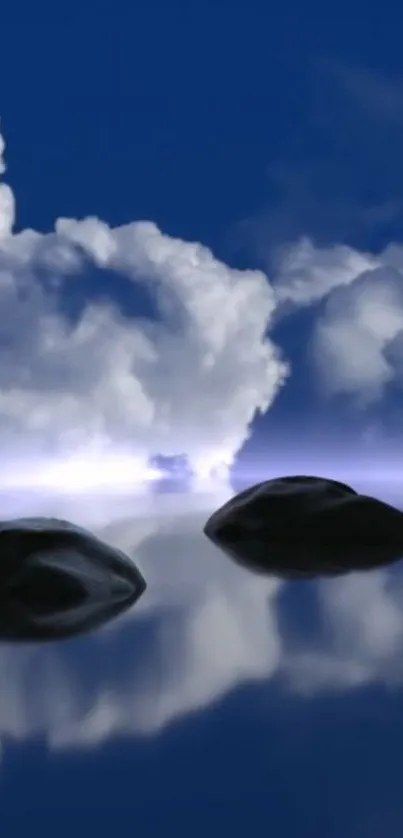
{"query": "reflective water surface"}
(223, 702)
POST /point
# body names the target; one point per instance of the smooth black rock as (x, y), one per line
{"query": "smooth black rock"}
(301, 527)
(58, 580)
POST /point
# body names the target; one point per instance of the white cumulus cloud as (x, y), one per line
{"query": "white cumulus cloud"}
(357, 339)
(7, 209)
(354, 333)
(189, 383)
(307, 274)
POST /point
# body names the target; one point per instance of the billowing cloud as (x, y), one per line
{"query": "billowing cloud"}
(352, 338)
(6, 199)
(357, 344)
(191, 380)
(189, 383)
(307, 274)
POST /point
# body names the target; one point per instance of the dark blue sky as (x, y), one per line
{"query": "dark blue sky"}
(244, 127)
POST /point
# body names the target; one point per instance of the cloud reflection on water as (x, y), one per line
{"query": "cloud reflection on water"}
(203, 628)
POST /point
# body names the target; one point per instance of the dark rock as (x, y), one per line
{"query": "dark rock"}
(58, 580)
(301, 526)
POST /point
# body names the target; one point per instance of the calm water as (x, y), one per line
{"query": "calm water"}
(222, 702)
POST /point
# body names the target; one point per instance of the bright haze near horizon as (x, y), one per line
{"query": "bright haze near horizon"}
(201, 287)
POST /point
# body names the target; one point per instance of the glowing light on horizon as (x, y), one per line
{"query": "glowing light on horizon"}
(83, 473)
